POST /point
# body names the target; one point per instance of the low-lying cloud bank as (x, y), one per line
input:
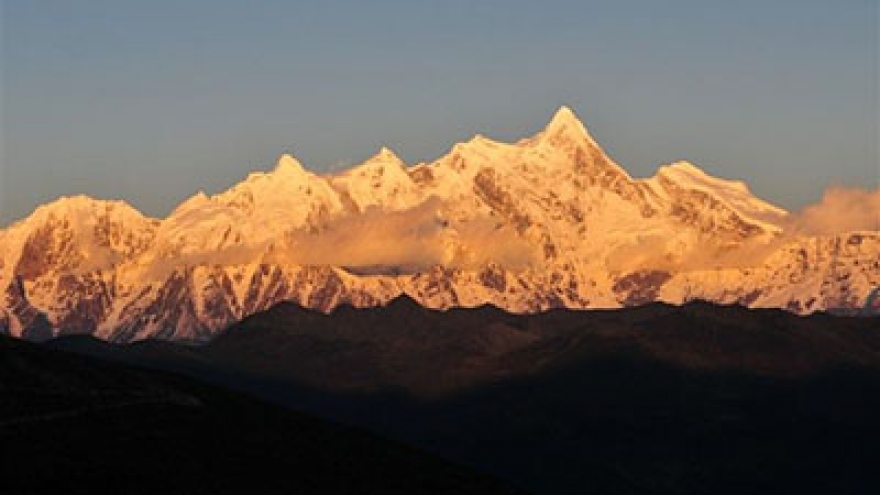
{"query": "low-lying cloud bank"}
(841, 209)
(406, 241)
(383, 242)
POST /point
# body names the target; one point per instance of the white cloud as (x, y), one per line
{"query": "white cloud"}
(841, 209)
(405, 241)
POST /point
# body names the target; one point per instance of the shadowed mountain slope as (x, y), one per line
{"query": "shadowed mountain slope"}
(74, 424)
(655, 399)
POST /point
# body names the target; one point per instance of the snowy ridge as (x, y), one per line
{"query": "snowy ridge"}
(548, 221)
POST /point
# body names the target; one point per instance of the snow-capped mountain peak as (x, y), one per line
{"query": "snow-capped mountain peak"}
(565, 120)
(686, 172)
(382, 180)
(194, 202)
(385, 161)
(388, 155)
(288, 165)
(547, 221)
(566, 128)
(734, 193)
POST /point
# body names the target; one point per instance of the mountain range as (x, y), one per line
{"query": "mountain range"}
(665, 399)
(550, 221)
(78, 425)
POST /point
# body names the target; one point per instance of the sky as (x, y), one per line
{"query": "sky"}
(152, 101)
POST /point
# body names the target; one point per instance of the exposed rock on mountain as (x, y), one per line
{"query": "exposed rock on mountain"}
(549, 221)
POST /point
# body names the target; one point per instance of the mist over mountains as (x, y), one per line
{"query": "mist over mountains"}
(550, 221)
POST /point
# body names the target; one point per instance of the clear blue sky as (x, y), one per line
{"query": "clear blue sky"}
(151, 101)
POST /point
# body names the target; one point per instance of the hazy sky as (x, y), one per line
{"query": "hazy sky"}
(151, 101)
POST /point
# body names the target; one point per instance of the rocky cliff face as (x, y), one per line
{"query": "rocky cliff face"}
(549, 221)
